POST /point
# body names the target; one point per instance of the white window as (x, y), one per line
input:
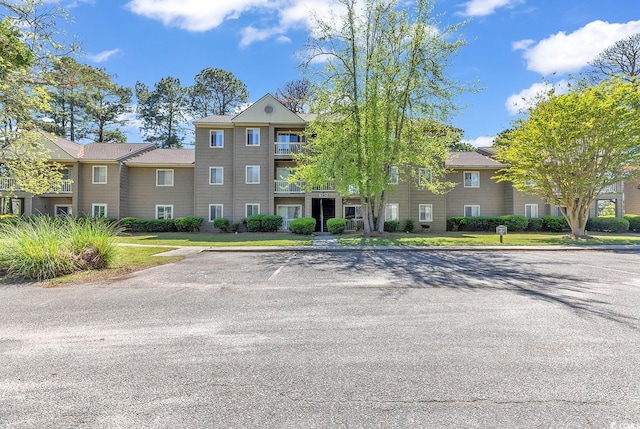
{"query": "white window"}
(353, 212)
(164, 211)
(253, 136)
(391, 211)
(424, 176)
(289, 212)
(216, 175)
(426, 212)
(215, 212)
(63, 210)
(251, 209)
(99, 210)
(531, 210)
(472, 210)
(216, 138)
(253, 175)
(393, 175)
(471, 179)
(99, 174)
(164, 177)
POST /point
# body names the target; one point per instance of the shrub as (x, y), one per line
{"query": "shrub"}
(535, 224)
(303, 225)
(337, 225)
(454, 223)
(409, 226)
(44, 248)
(554, 223)
(235, 226)
(608, 224)
(271, 223)
(188, 224)
(222, 223)
(264, 223)
(634, 221)
(391, 225)
(515, 222)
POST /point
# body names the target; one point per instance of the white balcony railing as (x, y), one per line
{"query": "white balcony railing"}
(612, 189)
(285, 224)
(328, 187)
(66, 188)
(355, 225)
(288, 148)
(8, 183)
(284, 187)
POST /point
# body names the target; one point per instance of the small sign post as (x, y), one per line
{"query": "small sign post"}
(501, 230)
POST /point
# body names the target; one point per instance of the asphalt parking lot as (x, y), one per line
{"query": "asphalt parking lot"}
(324, 339)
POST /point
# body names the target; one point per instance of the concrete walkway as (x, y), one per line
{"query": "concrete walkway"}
(325, 240)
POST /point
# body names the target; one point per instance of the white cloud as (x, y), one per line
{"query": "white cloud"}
(567, 53)
(103, 56)
(486, 7)
(199, 16)
(520, 102)
(481, 141)
(522, 44)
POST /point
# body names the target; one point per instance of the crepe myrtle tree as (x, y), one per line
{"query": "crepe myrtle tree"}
(571, 146)
(378, 73)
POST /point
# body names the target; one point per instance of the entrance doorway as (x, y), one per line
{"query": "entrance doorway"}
(323, 209)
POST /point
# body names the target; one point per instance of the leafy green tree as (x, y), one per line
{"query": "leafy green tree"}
(162, 111)
(30, 39)
(216, 92)
(382, 86)
(571, 146)
(106, 106)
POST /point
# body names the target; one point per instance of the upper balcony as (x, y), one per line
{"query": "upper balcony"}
(284, 187)
(287, 150)
(9, 183)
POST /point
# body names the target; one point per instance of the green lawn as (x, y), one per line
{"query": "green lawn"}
(352, 239)
(486, 239)
(216, 239)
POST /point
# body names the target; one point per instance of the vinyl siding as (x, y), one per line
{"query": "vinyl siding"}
(144, 195)
(489, 196)
(244, 156)
(89, 193)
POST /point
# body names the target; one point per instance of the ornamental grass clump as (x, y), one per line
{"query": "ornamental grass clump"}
(41, 248)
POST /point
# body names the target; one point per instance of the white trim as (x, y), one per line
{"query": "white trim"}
(464, 179)
(536, 214)
(429, 212)
(221, 176)
(471, 206)
(246, 175)
(392, 180)
(93, 174)
(165, 206)
(69, 212)
(158, 170)
(221, 211)
(391, 206)
(211, 145)
(246, 142)
(428, 174)
(95, 205)
(246, 206)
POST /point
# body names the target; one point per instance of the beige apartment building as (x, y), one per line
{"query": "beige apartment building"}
(240, 167)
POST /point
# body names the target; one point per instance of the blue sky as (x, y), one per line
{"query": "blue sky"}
(512, 44)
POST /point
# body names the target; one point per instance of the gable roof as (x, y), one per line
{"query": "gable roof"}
(112, 151)
(268, 110)
(215, 120)
(178, 157)
(471, 159)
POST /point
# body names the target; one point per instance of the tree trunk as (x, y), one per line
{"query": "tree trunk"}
(577, 216)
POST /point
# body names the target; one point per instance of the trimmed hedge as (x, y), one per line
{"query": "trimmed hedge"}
(391, 225)
(487, 223)
(264, 223)
(554, 223)
(303, 226)
(336, 225)
(183, 224)
(634, 221)
(222, 223)
(608, 224)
